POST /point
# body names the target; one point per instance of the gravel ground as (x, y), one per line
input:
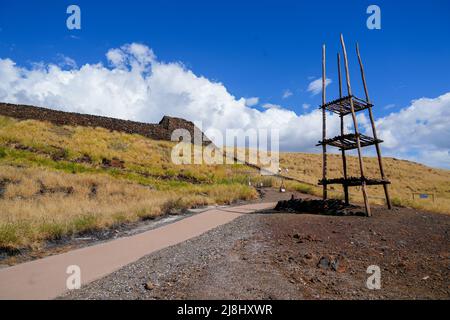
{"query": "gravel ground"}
(292, 256)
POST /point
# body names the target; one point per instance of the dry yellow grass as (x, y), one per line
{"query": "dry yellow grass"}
(39, 204)
(139, 153)
(406, 177)
(46, 193)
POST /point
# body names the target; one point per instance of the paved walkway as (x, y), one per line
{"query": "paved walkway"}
(46, 278)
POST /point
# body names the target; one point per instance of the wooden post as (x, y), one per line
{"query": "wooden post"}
(374, 130)
(344, 158)
(324, 125)
(355, 124)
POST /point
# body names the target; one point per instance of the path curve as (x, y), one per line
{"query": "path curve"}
(46, 278)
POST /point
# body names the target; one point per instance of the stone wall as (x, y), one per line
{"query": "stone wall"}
(161, 131)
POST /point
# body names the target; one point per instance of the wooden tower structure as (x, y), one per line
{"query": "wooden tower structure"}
(343, 106)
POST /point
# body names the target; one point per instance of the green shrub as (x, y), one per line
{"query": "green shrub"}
(52, 230)
(84, 223)
(2, 152)
(172, 205)
(120, 217)
(397, 202)
(303, 188)
(8, 235)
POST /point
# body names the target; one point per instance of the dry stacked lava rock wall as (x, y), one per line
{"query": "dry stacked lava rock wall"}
(161, 131)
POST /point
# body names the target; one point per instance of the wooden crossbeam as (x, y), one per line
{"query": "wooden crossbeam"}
(348, 141)
(354, 181)
(342, 106)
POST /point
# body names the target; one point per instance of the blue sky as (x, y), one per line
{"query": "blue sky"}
(254, 48)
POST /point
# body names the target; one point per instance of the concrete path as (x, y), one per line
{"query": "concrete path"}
(46, 278)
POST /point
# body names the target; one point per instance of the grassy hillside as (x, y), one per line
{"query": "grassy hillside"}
(62, 180)
(406, 177)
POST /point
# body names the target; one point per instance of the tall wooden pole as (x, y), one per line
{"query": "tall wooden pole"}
(324, 125)
(344, 158)
(355, 124)
(374, 130)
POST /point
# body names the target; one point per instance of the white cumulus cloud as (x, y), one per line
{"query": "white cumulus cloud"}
(419, 132)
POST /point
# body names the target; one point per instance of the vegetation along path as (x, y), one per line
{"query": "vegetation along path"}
(46, 278)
